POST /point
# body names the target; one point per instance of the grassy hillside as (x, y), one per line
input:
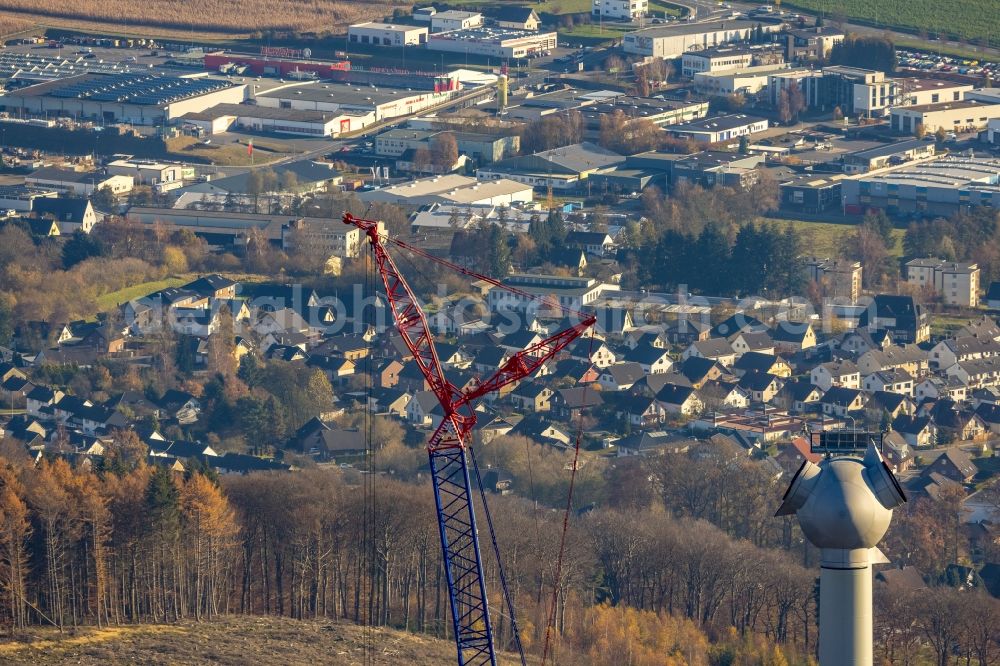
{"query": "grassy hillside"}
(963, 19)
(824, 238)
(232, 641)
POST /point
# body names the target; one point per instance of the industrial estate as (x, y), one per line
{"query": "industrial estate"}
(491, 333)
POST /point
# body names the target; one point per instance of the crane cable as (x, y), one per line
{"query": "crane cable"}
(369, 474)
(553, 603)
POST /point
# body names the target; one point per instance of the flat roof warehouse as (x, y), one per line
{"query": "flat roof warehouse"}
(142, 89)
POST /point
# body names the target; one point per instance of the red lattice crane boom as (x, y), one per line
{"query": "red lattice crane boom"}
(447, 445)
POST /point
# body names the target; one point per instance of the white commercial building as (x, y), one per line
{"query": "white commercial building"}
(570, 292)
(719, 128)
(746, 81)
(620, 9)
(80, 183)
(494, 42)
(960, 116)
(455, 20)
(673, 40)
(150, 172)
(918, 92)
(386, 34)
(715, 60)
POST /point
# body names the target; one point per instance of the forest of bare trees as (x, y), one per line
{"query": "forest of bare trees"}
(680, 558)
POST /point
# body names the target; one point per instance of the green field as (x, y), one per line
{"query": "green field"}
(823, 238)
(966, 20)
(111, 300)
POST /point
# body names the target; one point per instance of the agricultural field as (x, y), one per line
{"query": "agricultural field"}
(967, 20)
(216, 16)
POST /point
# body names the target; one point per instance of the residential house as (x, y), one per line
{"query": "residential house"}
(597, 243)
(70, 214)
(319, 439)
(738, 323)
(594, 351)
(976, 374)
(840, 401)
(532, 397)
(391, 401)
(213, 286)
(387, 373)
(199, 322)
(800, 397)
(697, 370)
(179, 405)
(954, 464)
(641, 411)
(540, 428)
(918, 431)
(656, 442)
(888, 405)
(621, 376)
(679, 400)
(41, 397)
(896, 452)
(569, 403)
(714, 349)
(653, 337)
(716, 396)
(989, 415)
(686, 331)
(895, 380)
(836, 373)
(579, 372)
(955, 421)
(418, 410)
(791, 337)
(336, 368)
(857, 342)
(901, 315)
(752, 341)
(950, 351)
(653, 360)
(761, 386)
(517, 18)
(761, 362)
(910, 358)
(934, 387)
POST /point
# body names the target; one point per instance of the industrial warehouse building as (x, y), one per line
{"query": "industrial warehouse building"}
(673, 40)
(385, 34)
(352, 100)
(139, 99)
(452, 189)
(282, 120)
(939, 187)
(494, 42)
(950, 116)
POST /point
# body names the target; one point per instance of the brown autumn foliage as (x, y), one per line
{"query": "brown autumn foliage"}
(217, 15)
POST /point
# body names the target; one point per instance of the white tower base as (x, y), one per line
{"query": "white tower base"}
(845, 606)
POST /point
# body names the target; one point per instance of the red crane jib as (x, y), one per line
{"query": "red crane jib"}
(459, 415)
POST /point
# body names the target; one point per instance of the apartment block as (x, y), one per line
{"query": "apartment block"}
(842, 278)
(956, 282)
